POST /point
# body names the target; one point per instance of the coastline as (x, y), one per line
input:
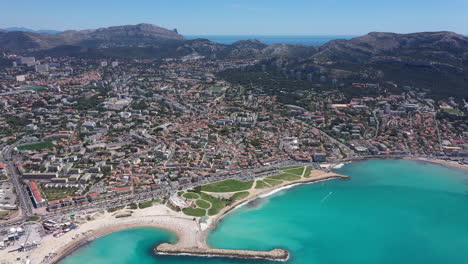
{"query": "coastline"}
(212, 222)
(262, 193)
(270, 191)
(55, 249)
(191, 234)
(446, 163)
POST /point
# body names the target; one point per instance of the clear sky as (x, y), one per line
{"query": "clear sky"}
(243, 17)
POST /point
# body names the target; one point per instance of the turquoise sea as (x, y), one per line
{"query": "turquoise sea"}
(391, 211)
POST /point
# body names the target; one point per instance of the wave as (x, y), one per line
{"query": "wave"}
(291, 186)
(338, 166)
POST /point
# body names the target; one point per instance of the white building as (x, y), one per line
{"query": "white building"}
(42, 68)
(20, 78)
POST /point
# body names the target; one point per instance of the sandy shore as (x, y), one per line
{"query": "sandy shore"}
(452, 164)
(448, 163)
(158, 216)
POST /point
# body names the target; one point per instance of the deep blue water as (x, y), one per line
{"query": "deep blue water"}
(303, 40)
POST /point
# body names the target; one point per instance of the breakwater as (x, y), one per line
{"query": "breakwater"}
(275, 254)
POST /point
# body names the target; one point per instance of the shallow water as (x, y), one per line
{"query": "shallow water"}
(391, 211)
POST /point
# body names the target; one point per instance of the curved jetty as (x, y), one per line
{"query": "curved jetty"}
(275, 254)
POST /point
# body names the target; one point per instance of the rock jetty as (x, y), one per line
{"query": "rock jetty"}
(275, 254)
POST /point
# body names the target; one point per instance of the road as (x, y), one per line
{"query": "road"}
(347, 150)
(23, 197)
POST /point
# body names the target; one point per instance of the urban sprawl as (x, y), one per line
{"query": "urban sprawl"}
(78, 136)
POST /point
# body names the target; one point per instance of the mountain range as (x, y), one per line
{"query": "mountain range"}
(41, 31)
(426, 59)
(129, 35)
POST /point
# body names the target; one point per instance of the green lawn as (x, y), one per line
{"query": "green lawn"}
(202, 204)
(205, 201)
(36, 88)
(239, 196)
(146, 204)
(272, 182)
(4, 214)
(216, 88)
(58, 193)
(36, 146)
(194, 211)
(33, 218)
(133, 206)
(285, 177)
(298, 171)
(451, 110)
(227, 186)
(307, 172)
(191, 195)
(261, 185)
(216, 203)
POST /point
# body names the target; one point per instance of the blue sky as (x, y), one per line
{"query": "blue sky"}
(243, 17)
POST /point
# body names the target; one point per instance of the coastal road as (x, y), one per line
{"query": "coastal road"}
(23, 197)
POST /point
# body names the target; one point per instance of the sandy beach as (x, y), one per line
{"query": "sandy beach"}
(158, 216)
(452, 164)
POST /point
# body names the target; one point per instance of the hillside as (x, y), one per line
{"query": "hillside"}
(129, 35)
(437, 61)
(434, 60)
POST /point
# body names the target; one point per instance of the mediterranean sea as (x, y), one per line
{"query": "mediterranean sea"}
(390, 211)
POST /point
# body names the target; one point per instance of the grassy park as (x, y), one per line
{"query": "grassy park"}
(202, 203)
(58, 193)
(261, 184)
(227, 186)
(191, 195)
(194, 211)
(36, 146)
(146, 204)
(205, 204)
(239, 196)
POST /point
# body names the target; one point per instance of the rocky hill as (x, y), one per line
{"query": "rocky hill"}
(437, 61)
(417, 48)
(129, 35)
